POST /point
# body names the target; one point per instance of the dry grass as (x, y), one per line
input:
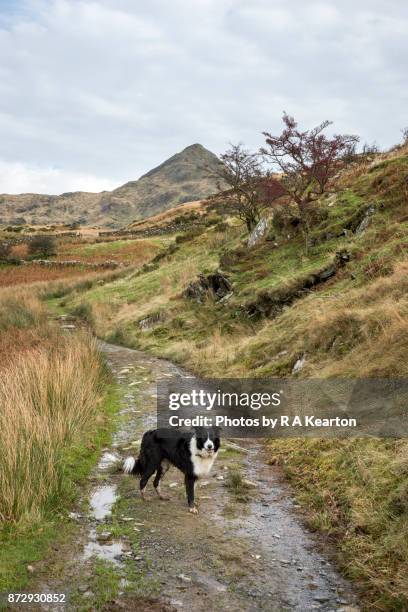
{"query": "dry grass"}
(23, 323)
(50, 388)
(135, 252)
(49, 401)
(33, 273)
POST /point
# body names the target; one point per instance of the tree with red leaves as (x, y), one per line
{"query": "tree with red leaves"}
(306, 162)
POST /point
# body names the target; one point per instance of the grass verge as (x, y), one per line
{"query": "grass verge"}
(57, 410)
(27, 541)
(356, 491)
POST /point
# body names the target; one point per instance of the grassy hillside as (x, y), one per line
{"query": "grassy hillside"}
(334, 324)
(182, 178)
(284, 306)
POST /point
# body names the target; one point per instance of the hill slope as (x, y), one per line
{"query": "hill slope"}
(182, 178)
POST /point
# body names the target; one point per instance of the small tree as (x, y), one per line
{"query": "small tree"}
(307, 162)
(42, 246)
(242, 172)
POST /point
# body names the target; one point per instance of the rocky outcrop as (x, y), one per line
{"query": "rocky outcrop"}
(357, 223)
(215, 285)
(150, 321)
(258, 232)
(365, 222)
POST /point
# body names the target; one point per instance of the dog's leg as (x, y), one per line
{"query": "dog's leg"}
(189, 482)
(156, 483)
(143, 482)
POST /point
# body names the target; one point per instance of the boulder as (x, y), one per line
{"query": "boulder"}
(299, 365)
(215, 284)
(362, 226)
(258, 232)
(150, 321)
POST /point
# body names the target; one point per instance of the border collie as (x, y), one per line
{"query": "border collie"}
(193, 453)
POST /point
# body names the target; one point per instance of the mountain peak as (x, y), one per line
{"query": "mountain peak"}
(195, 147)
(194, 155)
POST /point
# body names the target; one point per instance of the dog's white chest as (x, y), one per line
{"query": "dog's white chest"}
(202, 465)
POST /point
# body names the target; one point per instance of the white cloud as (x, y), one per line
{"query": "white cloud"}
(106, 89)
(19, 178)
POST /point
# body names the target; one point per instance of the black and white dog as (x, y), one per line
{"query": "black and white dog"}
(191, 452)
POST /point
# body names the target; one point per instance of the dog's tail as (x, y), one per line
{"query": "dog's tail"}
(132, 466)
(138, 466)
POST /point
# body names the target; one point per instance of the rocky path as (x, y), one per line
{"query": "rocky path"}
(247, 550)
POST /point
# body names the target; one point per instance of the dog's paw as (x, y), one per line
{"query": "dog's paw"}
(165, 497)
(193, 510)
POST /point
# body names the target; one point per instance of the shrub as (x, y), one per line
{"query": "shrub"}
(42, 246)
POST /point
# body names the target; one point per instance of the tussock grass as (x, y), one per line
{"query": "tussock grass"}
(237, 486)
(49, 402)
(23, 323)
(21, 310)
(51, 385)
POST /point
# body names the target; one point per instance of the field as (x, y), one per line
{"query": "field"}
(130, 252)
(125, 252)
(34, 273)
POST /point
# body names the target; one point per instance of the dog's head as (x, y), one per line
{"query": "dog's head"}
(208, 440)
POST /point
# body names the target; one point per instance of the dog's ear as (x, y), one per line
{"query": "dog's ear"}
(217, 431)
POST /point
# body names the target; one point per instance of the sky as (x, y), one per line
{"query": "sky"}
(94, 93)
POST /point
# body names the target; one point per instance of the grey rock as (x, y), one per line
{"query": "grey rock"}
(258, 232)
(299, 365)
(362, 226)
(215, 284)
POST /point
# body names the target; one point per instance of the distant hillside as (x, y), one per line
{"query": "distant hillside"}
(181, 178)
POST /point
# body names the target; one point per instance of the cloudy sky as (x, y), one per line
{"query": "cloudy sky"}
(96, 92)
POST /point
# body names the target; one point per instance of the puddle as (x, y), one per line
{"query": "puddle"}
(108, 551)
(102, 500)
